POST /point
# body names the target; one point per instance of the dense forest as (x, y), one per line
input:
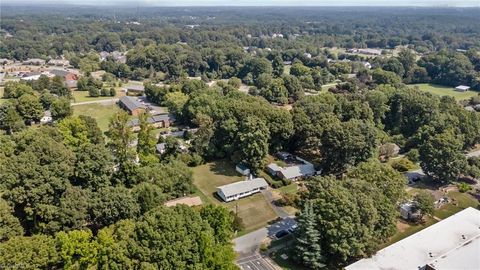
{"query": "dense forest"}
(74, 197)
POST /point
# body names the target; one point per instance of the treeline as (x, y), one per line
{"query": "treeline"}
(72, 200)
(42, 35)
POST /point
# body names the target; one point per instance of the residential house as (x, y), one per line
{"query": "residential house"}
(242, 169)
(31, 76)
(452, 243)
(135, 89)
(370, 51)
(59, 62)
(34, 61)
(131, 105)
(367, 65)
(293, 172)
(157, 121)
(462, 88)
(241, 189)
(66, 75)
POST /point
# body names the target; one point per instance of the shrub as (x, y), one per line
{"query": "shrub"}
(464, 187)
(413, 155)
(403, 165)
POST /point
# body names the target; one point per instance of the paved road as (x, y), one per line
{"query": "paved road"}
(249, 244)
(101, 101)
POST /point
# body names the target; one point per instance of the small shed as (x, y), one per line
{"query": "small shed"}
(462, 88)
(242, 169)
(408, 211)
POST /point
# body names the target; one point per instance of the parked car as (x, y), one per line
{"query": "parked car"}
(281, 234)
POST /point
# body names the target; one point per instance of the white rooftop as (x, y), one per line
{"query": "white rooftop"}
(450, 244)
(298, 171)
(462, 87)
(242, 186)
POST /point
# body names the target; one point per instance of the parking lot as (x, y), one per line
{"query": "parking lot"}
(255, 262)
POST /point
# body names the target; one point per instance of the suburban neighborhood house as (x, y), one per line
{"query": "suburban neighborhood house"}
(237, 190)
(462, 88)
(135, 89)
(131, 105)
(453, 243)
(157, 121)
(297, 168)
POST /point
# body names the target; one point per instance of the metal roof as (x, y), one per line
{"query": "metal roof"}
(452, 243)
(242, 186)
(131, 103)
(298, 171)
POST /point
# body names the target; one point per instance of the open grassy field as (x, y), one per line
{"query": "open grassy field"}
(82, 96)
(101, 113)
(254, 210)
(461, 201)
(406, 229)
(444, 91)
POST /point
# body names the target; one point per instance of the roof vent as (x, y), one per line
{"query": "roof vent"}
(463, 236)
(430, 254)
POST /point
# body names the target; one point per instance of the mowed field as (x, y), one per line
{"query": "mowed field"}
(101, 113)
(445, 91)
(254, 210)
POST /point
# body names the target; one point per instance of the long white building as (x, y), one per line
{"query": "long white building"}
(237, 190)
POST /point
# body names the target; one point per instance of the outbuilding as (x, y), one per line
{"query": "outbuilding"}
(242, 169)
(462, 88)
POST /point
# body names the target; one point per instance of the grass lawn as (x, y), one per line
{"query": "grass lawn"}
(406, 229)
(292, 188)
(461, 201)
(286, 69)
(82, 96)
(254, 210)
(101, 113)
(445, 91)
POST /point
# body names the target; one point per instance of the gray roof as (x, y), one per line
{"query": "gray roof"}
(59, 72)
(136, 88)
(131, 103)
(153, 119)
(274, 167)
(298, 171)
(242, 186)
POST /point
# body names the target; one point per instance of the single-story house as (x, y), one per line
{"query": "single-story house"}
(293, 172)
(370, 51)
(131, 105)
(135, 89)
(298, 171)
(34, 61)
(31, 76)
(242, 169)
(157, 121)
(408, 211)
(66, 75)
(462, 88)
(241, 189)
(59, 62)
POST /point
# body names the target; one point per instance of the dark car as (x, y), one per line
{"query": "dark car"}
(281, 234)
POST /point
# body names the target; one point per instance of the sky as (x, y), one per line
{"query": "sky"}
(437, 3)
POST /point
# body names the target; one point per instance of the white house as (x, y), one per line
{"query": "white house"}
(452, 243)
(294, 172)
(462, 88)
(241, 189)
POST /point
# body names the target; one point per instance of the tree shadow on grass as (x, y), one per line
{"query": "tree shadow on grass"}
(223, 167)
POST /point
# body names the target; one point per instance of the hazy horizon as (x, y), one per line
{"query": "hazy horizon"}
(288, 3)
